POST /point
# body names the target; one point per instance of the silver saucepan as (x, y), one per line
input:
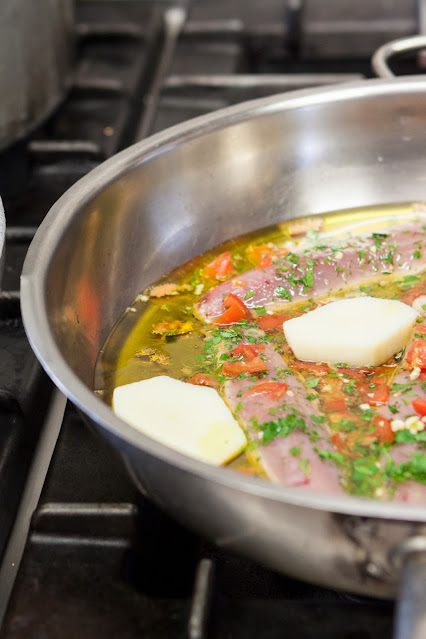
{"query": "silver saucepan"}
(177, 194)
(36, 53)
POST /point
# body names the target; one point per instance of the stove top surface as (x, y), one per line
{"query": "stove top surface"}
(83, 553)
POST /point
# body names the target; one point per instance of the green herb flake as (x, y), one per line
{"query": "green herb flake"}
(350, 388)
(312, 383)
(338, 458)
(282, 427)
(260, 310)
(292, 257)
(281, 291)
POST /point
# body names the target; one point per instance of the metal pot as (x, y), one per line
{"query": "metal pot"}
(177, 194)
(36, 43)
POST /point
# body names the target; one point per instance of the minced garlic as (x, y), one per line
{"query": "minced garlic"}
(414, 424)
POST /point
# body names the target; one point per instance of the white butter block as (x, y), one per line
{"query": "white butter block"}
(191, 419)
(364, 331)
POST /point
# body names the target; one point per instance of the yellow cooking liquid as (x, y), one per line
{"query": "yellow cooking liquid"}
(134, 352)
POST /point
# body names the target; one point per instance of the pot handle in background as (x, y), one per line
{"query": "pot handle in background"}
(410, 610)
(380, 59)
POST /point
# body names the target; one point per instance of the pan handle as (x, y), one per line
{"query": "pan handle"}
(410, 622)
(380, 59)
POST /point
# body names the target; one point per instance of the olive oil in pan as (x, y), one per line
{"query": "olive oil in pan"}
(138, 348)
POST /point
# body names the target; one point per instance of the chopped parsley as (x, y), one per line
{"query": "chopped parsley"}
(339, 458)
(312, 383)
(281, 427)
(281, 291)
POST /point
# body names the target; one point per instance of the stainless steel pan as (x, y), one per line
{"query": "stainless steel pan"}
(171, 197)
(36, 56)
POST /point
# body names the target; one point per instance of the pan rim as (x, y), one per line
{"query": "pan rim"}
(53, 227)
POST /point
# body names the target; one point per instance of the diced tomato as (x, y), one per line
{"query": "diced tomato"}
(352, 373)
(338, 440)
(381, 374)
(383, 430)
(274, 390)
(335, 402)
(265, 261)
(417, 354)
(380, 395)
(233, 369)
(421, 328)
(201, 379)
(220, 268)
(257, 254)
(235, 311)
(419, 406)
(262, 254)
(414, 293)
(422, 376)
(232, 315)
(311, 367)
(234, 300)
(269, 322)
(379, 379)
(374, 396)
(248, 351)
(251, 362)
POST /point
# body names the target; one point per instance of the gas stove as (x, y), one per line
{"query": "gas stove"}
(83, 554)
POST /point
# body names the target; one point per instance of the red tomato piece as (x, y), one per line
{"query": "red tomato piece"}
(220, 268)
(274, 390)
(265, 261)
(310, 367)
(335, 402)
(379, 379)
(338, 440)
(383, 431)
(248, 351)
(352, 373)
(234, 300)
(414, 293)
(250, 362)
(232, 315)
(380, 395)
(269, 322)
(419, 406)
(201, 379)
(233, 369)
(235, 311)
(417, 354)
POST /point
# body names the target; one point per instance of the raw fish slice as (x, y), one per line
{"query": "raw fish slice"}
(281, 458)
(319, 273)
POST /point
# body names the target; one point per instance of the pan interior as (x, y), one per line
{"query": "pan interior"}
(165, 201)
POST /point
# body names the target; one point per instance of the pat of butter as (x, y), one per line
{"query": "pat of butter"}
(364, 331)
(191, 419)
